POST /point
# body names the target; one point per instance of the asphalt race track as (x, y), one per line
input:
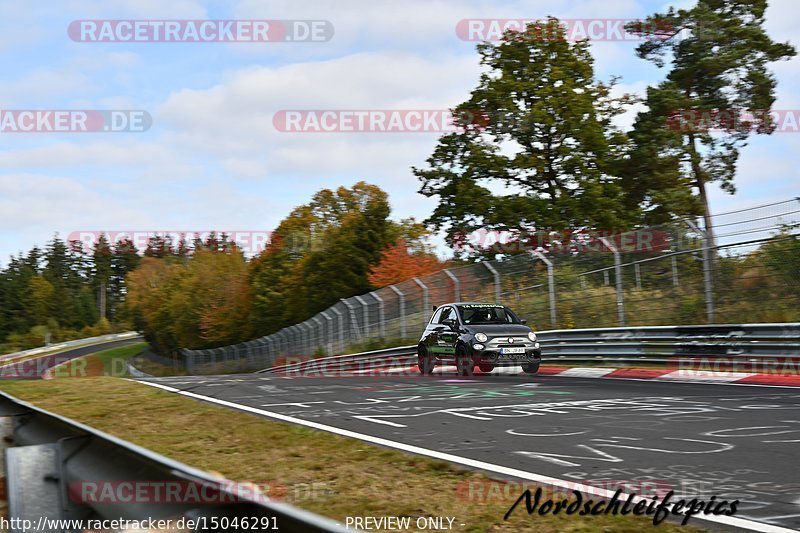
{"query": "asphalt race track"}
(732, 441)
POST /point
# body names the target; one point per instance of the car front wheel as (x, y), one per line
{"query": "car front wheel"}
(530, 368)
(425, 362)
(464, 363)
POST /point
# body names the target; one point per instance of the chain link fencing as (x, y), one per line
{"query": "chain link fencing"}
(667, 275)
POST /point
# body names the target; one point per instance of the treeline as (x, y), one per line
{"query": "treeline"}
(322, 251)
(197, 293)
(54, 294)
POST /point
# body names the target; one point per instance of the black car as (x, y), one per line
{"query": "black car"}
(475, 334)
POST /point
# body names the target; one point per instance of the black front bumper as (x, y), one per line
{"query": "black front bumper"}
(493, 357)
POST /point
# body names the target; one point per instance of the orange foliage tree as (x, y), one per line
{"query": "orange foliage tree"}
(397, 265)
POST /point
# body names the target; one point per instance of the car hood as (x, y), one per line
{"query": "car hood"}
(499, 329)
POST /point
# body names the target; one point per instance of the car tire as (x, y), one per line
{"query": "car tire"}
(486, 368)
(464, 363)
(425, 362)
(531, 368)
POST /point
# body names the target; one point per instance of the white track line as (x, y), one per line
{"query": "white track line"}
(513, 472)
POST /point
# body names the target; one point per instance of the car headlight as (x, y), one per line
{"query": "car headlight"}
(532, 336)
(481, 337)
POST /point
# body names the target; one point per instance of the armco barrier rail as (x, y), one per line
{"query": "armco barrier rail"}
(749, 344)
(52, 458)
(10, 357)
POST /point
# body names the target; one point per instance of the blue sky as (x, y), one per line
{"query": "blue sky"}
(213, 159)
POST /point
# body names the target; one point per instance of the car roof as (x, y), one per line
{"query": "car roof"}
(469, 303)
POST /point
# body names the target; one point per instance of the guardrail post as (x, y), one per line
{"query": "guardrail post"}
(381, 314)
(340, 324)
(551, 286)
(365, 307)
(425, 299)
(618, 276)
(708, 282)
(402, 303)
(496, 275)
(456, 284)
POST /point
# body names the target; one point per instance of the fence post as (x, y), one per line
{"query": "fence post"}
(285, 339)
(351, 312)
(381, 314)
(456, 284)
(320, 332)
(402, 302)
(365, 306)
(708, 282)
(551, 286)
(188, 361)
(675, 282)
(638, 275)
(618, 275)
(340, 324)
(496, 275)
(297, 340)
(425, 299)
(329, 336)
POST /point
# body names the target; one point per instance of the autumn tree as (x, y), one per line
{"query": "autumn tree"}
(536, 149)
(399, 264)
(718, 53)
(321, 252)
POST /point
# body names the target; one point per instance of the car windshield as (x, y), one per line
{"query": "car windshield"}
(486, 314)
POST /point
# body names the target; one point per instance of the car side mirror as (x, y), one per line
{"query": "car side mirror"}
(523, 321)
(449, 322)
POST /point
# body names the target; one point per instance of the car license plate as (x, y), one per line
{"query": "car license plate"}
(508, 351)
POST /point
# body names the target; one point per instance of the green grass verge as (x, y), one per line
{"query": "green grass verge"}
(321, 472)
(111, 362)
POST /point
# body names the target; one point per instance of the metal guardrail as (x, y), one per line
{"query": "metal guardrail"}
(363, 360)
(51, 457)
(67, 344)
(653, 344)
